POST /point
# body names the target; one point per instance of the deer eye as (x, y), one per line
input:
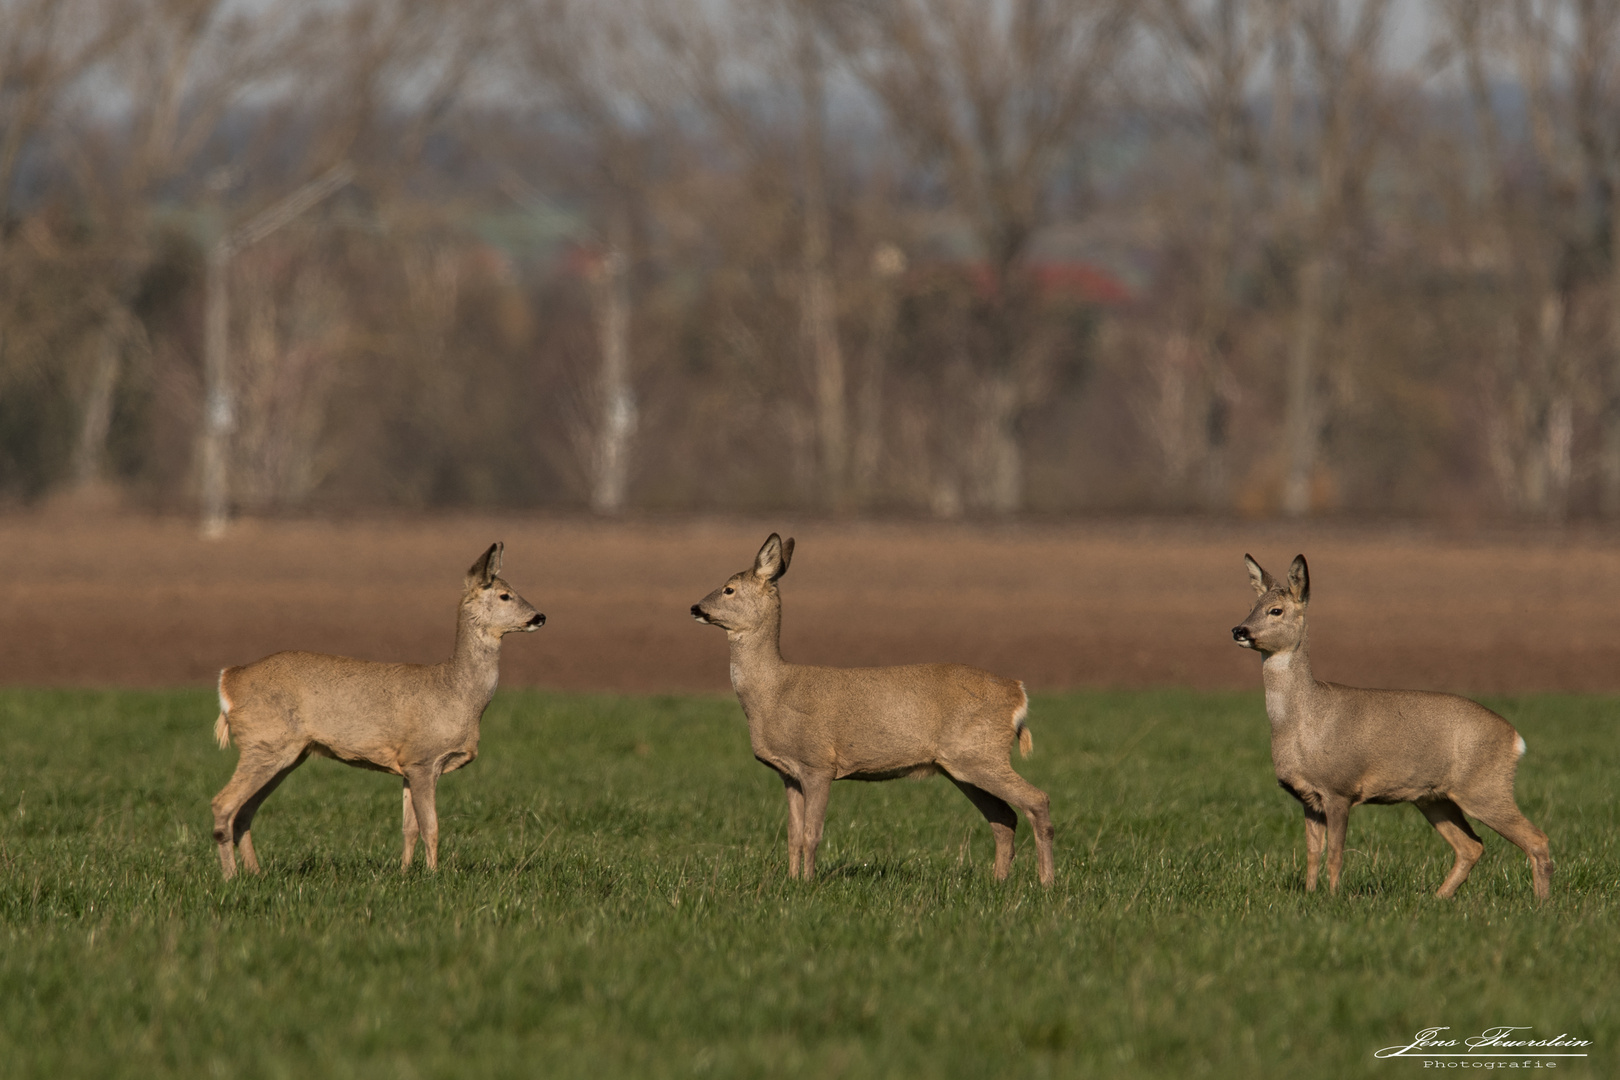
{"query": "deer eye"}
(729, 590)
(506, 596)
(1276, 611)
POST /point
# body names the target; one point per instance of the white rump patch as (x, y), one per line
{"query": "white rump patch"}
(1022, 713)
(222, 726)
(1518, 742)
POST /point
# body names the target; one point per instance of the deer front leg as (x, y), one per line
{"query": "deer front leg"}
(816, 790)
(795, 801)
(422, 782)
(1315, 841)
(1337, 812)
(410, 828)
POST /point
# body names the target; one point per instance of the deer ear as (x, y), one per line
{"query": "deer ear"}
(1258, 577)
(483, 572)
(1299, 580)
(773, 558)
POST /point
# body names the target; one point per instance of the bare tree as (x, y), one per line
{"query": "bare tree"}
(46, 46)
(1218, 48)
(1594, 100)
(996, 95)
(886, 265)
(819, 294)
(1539, 219)
(181, 67)
(594, 63)
(785, 158)
(1352, 102)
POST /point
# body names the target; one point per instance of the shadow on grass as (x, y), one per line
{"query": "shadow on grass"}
(866, 871)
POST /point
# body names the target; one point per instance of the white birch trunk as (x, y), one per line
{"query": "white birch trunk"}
(616, 422)
(219, 413)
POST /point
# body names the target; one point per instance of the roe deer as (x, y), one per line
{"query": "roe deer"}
(814, 725)
(418, 721)
(1334, 747)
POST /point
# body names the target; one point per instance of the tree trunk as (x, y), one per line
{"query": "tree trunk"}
(888, 263)
(219, 414)
(616, 423)
(997, 463)
(1301, 427)
(1553, 452)
(819, 309)
(90, 452)
(1609, 466)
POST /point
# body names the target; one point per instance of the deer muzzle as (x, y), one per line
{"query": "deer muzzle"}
(699, 614)
(1240, 634)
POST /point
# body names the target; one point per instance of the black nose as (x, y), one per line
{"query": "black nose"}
(538, 620)
(697, 611)
(1240, 633)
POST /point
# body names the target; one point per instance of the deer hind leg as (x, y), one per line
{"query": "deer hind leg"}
(1315, 841)
(1008, 786)
(1447, 819)
(421, 784)
(243, 824)
(816, 789)
(1003, 821)
(1504, 817)
(409, 827)
(257, 775)
(795, 801)
(1337, 813)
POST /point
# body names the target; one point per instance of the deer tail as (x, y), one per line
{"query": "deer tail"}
(1026, 741)
(222, 726)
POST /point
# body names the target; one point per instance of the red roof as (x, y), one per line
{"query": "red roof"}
(1061, 281)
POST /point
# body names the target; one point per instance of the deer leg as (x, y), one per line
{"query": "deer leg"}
(1447, 819)
(1515, 827)
(409, 827)
(1011, 788)
(242, 826)
(795, 800)
(256, 775)
(1315, 841)
(1003, 823)
(1337, 812)
(816, 789)
(422, 782)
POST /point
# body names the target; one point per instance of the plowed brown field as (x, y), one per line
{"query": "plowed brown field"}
(128, 600)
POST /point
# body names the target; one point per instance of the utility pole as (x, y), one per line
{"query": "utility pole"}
(219, 406)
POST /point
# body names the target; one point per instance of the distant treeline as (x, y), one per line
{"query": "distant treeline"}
(891, 256)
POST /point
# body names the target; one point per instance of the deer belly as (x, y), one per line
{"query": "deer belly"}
(361, 759)
(918, 772)
(871, 759)
(456, 759)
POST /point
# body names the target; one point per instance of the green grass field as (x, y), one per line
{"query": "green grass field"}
(612, 901)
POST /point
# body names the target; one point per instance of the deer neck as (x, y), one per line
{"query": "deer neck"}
(1291, 689)
(474, 668)
(757, 666)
